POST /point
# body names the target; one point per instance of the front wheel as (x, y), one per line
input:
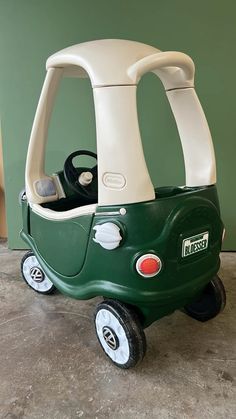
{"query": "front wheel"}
(119, 333)
(34, 276)
(210, 303)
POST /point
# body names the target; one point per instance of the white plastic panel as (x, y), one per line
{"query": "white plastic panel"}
(195, 136)
(119, 148)
(63, 215)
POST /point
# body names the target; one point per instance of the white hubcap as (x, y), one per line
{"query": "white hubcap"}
(112, 336)
(35, 276)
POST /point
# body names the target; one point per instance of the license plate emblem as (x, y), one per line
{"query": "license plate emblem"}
(195, 244)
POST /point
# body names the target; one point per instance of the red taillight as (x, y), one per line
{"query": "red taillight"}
(148, 265)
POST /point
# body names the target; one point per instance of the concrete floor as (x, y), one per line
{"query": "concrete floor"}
(52, 367)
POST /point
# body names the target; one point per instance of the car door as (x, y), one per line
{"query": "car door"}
(61, 243)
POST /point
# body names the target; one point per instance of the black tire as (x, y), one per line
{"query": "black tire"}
(120, 335)
(28, 264)
(210, 303)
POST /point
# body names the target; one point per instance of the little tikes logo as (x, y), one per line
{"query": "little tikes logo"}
(195, 244)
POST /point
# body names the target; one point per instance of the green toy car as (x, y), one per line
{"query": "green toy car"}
(105, 230)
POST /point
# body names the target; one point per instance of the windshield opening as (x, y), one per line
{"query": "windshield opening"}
(72, 125)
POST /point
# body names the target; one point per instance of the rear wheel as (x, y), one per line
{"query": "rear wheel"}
(210, 303)
(119, 333)
(34, 276)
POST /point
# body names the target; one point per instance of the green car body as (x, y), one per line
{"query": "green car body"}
(81, 268)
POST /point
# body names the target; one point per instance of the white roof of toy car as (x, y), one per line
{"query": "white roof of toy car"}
(116, 62)
(105, 61)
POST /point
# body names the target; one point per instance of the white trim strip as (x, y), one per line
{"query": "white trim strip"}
(63, 215)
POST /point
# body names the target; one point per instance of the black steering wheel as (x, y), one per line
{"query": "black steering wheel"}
(82, 180)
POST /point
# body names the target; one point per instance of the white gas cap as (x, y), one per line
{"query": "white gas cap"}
(107, 235)
(85, 178)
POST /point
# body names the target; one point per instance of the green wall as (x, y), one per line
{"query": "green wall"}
(31, 30)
